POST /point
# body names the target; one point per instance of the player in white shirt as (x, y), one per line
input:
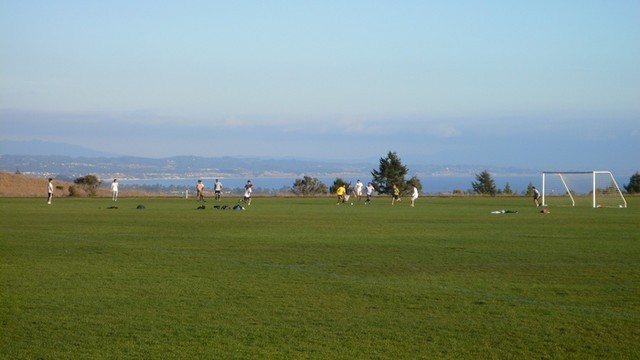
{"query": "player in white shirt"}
(114, 190)
(359, 187)
(370, 190)
(414, 195)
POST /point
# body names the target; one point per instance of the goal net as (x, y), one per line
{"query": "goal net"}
(581, 188)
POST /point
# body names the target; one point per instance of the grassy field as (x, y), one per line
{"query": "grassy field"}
(303, 278)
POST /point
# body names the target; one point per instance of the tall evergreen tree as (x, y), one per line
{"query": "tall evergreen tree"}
(484, 184)
(391, 171)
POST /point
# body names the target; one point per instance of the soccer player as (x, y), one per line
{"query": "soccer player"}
(396, 194)
(341, 192)
(217, 188)
(536, 196)
(359, 187)
(248, 189)
(414, 196)
(200, 191)
(370, 190)
(50, 191)
(114, 190)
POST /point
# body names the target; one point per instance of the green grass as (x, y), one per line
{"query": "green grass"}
(303, 278)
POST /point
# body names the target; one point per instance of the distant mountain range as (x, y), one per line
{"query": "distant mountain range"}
(65, 161)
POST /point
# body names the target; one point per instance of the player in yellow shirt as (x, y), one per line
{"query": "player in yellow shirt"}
(396, 194)
(340, 192)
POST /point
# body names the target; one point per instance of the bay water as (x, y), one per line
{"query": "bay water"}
(430, 184)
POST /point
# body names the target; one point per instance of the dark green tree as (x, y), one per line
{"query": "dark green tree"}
(391, 171)
(529, 189)
(309, 186)
(633, 187)
(337, 183)
(415, 181)
(507, 189)
(484, 184)
(89, 183)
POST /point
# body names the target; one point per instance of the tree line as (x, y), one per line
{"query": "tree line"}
(390, 171)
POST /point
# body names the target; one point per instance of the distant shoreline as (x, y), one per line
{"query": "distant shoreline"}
(431, 184)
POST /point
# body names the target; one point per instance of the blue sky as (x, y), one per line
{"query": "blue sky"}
(539, 84)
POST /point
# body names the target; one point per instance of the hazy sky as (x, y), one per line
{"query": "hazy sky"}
(523, 83)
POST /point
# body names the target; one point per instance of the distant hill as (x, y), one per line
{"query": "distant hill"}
(67, 167)
(18, 185)
(64, 161)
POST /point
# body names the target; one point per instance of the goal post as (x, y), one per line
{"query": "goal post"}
(599, 187)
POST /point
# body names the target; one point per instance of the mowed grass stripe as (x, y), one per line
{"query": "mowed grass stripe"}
(302, 277)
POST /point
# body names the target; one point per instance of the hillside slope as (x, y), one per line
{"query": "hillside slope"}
(17, 185)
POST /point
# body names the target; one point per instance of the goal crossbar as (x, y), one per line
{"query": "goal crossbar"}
(593, 187)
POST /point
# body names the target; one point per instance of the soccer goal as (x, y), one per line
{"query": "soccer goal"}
(581, 188)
